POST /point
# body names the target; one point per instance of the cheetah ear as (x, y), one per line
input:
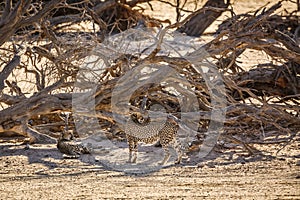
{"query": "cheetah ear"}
(72, 134)
(134, 114)
(131, 111)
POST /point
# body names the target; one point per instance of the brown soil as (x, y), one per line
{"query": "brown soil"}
(41, 172)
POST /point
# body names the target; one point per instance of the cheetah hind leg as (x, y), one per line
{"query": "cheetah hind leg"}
(179, 151)
(177, 147)
(167, 155)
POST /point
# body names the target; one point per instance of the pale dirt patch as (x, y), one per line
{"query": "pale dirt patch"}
(40, 172)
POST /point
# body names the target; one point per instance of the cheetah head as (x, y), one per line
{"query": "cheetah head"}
(67, 135)
(138, 117)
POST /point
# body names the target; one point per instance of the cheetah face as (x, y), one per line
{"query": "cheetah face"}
(139, 118)
(67, 135)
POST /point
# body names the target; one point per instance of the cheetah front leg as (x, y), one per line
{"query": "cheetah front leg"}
(135, 150)
(132, 149)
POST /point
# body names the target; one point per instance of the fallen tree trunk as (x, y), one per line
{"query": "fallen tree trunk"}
(205, 17)
(268, 80)
(16, 117)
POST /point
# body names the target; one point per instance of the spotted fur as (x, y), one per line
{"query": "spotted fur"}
(68, 146)
(141, 130)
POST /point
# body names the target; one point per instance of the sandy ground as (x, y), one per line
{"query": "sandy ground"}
(41, 172)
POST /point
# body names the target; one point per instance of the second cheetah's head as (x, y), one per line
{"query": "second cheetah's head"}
(67, 135)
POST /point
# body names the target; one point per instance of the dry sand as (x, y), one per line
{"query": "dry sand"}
(40, 172)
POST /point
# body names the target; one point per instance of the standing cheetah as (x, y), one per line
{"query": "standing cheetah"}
(140, 130)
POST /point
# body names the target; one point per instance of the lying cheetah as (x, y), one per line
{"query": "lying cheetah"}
(68, 146)
(141, 130)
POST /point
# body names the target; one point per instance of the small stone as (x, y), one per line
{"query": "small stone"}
(27, 147)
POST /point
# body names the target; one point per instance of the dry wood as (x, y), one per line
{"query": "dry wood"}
(261, 103)
(205, 17)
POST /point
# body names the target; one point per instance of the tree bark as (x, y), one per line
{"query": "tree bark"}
(200, 22)
(8, 69)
